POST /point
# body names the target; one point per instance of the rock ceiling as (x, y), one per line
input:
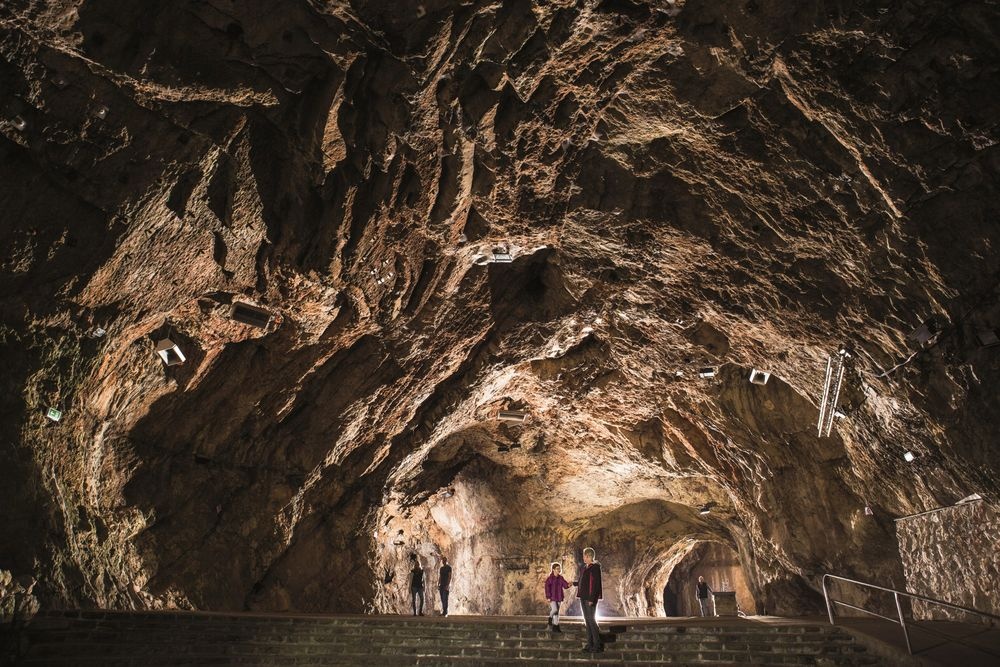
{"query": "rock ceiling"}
(679, 185)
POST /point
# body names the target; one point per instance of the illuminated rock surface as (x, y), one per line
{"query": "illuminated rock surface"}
(680, 185)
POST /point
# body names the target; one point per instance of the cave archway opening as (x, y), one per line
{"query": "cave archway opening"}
(718, 563)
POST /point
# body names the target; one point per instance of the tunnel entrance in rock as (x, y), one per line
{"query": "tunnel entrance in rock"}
(720, 565)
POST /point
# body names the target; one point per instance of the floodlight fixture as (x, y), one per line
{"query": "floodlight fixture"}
(252, 315)
(54, 414)
(759, 377)
(170, 353)
(831, 392)
(988, 337)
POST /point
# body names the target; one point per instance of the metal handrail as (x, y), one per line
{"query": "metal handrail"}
(899, 607)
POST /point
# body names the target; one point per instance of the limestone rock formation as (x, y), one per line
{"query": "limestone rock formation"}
(561, 208)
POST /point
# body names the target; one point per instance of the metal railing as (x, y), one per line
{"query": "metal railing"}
(899, 607)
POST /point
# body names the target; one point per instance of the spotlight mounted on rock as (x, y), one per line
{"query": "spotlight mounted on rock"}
(54, 414)
(517, 416)
(707, 372)
(170, 353)
(252, 315)
(101, 112)
(502, 256)
(869, 511)
(987, 337)
(926, 334)
(909, 456)
(759, 377)
(19, 123)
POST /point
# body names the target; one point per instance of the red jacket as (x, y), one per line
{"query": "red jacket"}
(590, 589)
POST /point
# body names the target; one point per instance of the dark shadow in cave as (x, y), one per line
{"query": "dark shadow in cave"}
(530, 289)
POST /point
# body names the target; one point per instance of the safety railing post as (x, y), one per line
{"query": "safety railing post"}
(902, 622)
(826, 596)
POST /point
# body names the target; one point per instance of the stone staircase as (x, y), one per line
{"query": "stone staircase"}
(112, 639)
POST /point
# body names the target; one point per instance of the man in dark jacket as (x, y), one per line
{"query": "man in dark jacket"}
(417, 585)
(589, 591)
(703, 591)
(444, 583)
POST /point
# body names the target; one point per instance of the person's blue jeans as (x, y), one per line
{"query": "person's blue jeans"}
(415, 594)
(593, 630)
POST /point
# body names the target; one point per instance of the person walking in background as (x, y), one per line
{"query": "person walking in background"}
(444, 584)
(554, 587)
(417, 585)
(590, 592)
(703, 590)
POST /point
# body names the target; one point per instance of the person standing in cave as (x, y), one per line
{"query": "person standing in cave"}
(703, 590)
(590, 592)
(444, 584)
(554, 587)
(417, 585)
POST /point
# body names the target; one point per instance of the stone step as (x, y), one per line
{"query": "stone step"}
(120, 619)
(109, 639)
(423, 628)
(380, 657)
(623, 641)
(564, 652)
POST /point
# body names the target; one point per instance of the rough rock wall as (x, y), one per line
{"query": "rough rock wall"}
(680, 184)
(953, 555)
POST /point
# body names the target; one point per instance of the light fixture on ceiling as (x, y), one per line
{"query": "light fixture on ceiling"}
(759, 377)
(706, 372)
(252, 315)
(909, 456)
(831, 392)
(101, 112)
(512, 415)
(925, 334)
(170, 353)
(869, 511)
(54, 414)
(987, 337)
(502, 256)
(705, 509)
(19, 123)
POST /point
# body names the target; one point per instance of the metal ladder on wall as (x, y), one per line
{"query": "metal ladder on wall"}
(901, 620)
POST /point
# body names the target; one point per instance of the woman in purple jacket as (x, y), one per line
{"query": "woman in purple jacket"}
(554, 587)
